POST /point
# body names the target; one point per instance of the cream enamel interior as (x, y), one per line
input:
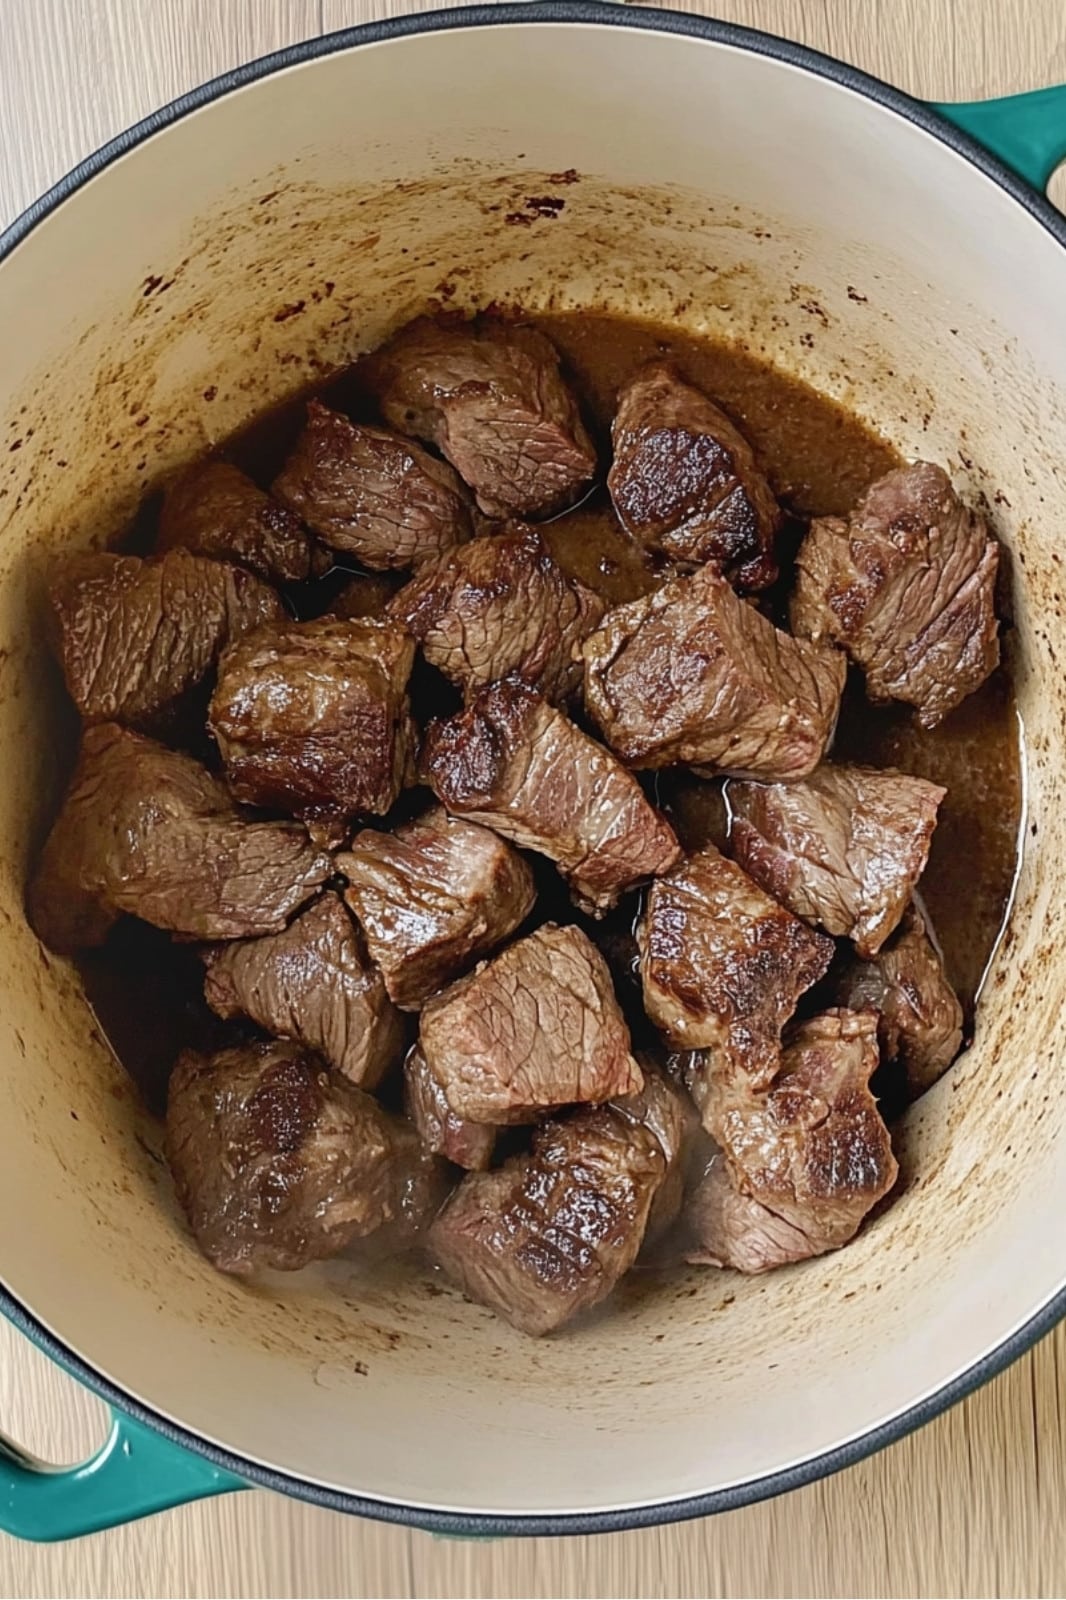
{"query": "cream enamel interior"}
(270, 236)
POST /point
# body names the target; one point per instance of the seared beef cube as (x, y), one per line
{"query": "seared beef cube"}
(278, 1161)
(723, 964)
(693, 674)
(366, 595)
(551, 1233)
(535, 1028)
(843, 849)
(312, 982)
(493, 402)
(920, 1025)
(433, 896)
(667, 1112)
(147, 831)
(516, 764)
(684, 480)
(907, 585)
(498, 607)
(813, 1150)
(216, 510)
(371, 494)
(467, 1144)
(135, 636)
(313, 717)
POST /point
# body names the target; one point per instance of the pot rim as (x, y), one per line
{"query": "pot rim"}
(600, 13)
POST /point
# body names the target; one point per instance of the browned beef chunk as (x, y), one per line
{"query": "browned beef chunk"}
(693, 674)
(216, 510)
(684, 479)
(535, 1028)
(515, 763)
(497, 607)
(551, 1233)
(920, 1024)
(312, 982)
(907, 586)
(723, 965)
(371, 494)
(135, 636)
(313, 717)
(843, 849)
(366, 595)
(278, 1161)
(148, 831)
(807, 1159)
(667, 1112)
(433, 896)
(493, 402)
(468, 1144)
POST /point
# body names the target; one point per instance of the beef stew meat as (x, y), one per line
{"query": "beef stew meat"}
(920, 1018)
(305, 892)
(312, 982)
(314, 717)
(550, 1234)
(278, 1162)
(147, 831)
(723, 965)
(844, 849)
(907, 585)
(216, 510)
(692, 674)
(516, 764)
(464, 1143)
(535, 1028)
(371, 494)
(499, 607)
(806, 1159)
(491, 398)
(433, 896)
(134, 637)
(684, 480)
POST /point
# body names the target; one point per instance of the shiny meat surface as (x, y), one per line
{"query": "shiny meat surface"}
(723, 965)
(521, 767)
(432, 896)
(467, 1144)
(216, 510)
(312, 982)
(668, 1113)
(313, 717)
(535, 1028)
(150, 832)
(907, 585)
(278, 1162)
(812, 1150)
(684, 480)
(491, 398)
(920, 1024)
(550, 1233)
(497, 607)
(372, 494)
(691, 674)
(844, 849)
(133, 637)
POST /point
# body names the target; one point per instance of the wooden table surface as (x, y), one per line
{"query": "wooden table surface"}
(975, 1504)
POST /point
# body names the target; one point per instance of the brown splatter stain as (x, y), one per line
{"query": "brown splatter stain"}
(292, 310)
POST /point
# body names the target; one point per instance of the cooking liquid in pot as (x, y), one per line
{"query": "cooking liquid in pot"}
(147, 991)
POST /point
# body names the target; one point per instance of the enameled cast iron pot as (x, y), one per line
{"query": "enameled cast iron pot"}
(265, 229)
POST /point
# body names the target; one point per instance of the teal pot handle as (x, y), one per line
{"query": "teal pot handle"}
(135, 1473)
(1027, 132)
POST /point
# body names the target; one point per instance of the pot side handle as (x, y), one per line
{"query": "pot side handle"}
(1027, 132)
(135, 1472)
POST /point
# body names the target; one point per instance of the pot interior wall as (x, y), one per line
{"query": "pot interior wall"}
(265, 240)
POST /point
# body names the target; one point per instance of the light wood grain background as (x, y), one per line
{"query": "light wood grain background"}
(973, 1505)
